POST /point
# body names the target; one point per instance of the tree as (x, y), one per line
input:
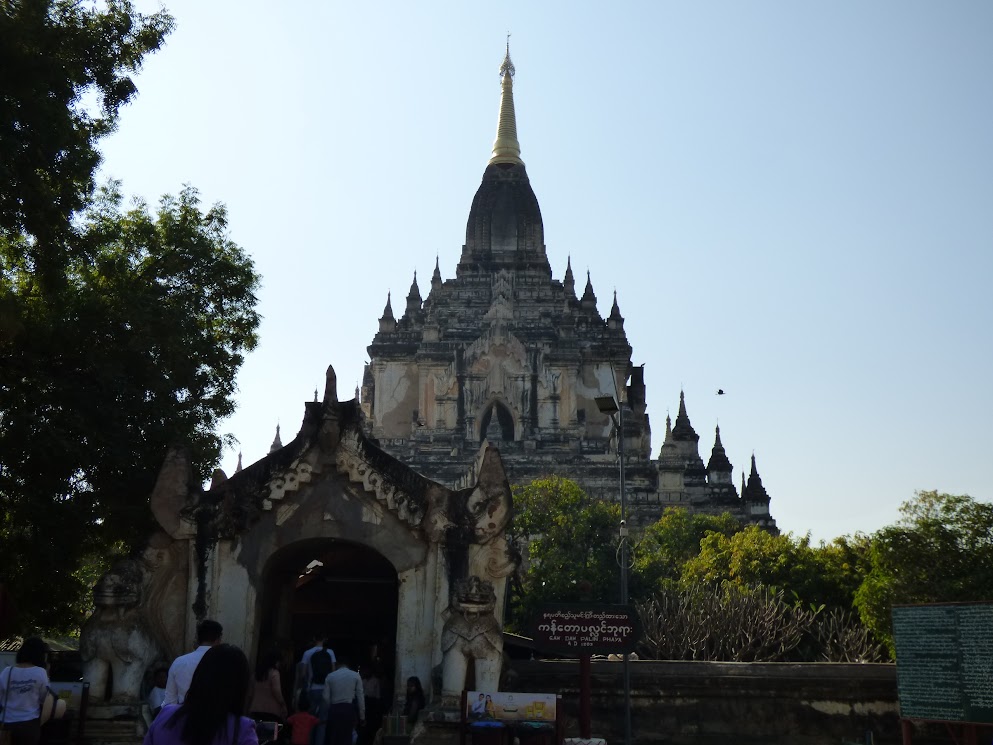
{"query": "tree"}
(940, 550)
(569, 544)
(137, 352)
(665, 546)
(753, 557)
(65, 71)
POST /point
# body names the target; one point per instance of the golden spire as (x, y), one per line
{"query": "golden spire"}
(506, 148)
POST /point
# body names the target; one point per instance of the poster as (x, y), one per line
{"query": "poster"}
(523, 707)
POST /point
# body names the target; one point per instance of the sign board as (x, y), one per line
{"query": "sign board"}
(944, 661)
(71, 693)
(524, 707)
(578, 630)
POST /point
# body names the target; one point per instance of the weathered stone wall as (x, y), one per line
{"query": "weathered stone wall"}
(726, 703)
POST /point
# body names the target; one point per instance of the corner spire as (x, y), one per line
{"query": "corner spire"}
(589, 297)
(719, 463)
(436, 281)
(276, 443)
(754, 492)
(683, 430)
(414, 296)
(506, 148)
(387, 322)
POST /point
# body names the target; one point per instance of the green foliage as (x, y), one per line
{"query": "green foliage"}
(137, 351)
(941, 550)
(66, 69)
(569, 543)
(665, 546)
(813, 576)
(120, 330)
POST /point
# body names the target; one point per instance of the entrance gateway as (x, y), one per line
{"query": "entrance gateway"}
(327, 534)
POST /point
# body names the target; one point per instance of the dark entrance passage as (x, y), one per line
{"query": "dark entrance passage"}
(329, 586)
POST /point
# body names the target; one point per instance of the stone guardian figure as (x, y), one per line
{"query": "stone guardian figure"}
(471, 632)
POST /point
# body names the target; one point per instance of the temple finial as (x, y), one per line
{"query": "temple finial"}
(506, 148)
(507, 66)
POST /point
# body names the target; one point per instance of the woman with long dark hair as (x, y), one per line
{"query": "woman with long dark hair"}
(23, 687)
(415, 700)
(214, 708)
(268, 704)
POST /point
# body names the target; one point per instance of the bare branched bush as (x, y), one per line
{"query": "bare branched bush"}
(841, 637)
(732, 624)
(723, 624)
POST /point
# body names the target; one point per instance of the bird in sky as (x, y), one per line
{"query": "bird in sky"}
(720, 391)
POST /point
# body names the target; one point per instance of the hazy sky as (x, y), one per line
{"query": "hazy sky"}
(793, 200)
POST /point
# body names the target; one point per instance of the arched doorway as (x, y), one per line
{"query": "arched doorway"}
(497, 424)
(330, 586)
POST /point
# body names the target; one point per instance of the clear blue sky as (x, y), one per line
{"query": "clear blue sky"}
(794, 202)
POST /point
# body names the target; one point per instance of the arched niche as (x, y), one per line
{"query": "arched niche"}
(502, 429)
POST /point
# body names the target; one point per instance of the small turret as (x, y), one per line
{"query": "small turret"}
(276, 442)
(570, 281)
(436, 281)
(669, 454)
(687, 442)
(238, 468)
(413, 299)
(683, 431)
(615, 320)
(719, 469)
(754, 494)
(388, 322)
(588, 300)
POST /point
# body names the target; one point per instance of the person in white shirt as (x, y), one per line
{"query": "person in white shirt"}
(343, 694)
(209, 634)
(23, 687)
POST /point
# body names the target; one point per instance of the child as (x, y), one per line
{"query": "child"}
(157, 695)
(302, 723)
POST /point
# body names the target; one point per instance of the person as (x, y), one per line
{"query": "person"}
(213, 708)
(318, 643)
(23, 688)
(479, 707)
(372, 686)
(415, 700)
(321, 665)
(156, 696)
(490, 708)
(342, 695)
(302, 723)
(209, 634)
(268, 704)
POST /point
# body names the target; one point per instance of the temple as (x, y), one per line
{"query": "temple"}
(504, 352)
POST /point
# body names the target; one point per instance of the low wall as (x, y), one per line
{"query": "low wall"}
(727, 703)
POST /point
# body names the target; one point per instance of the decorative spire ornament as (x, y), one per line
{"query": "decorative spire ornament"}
(506, 148)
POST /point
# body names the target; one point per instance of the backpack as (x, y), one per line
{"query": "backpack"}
(320, 667)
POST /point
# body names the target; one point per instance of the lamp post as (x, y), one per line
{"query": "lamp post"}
(610, 406)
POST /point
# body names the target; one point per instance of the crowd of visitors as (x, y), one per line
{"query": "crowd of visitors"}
(210, 697)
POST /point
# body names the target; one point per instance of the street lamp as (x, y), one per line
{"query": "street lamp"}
(609, 405)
